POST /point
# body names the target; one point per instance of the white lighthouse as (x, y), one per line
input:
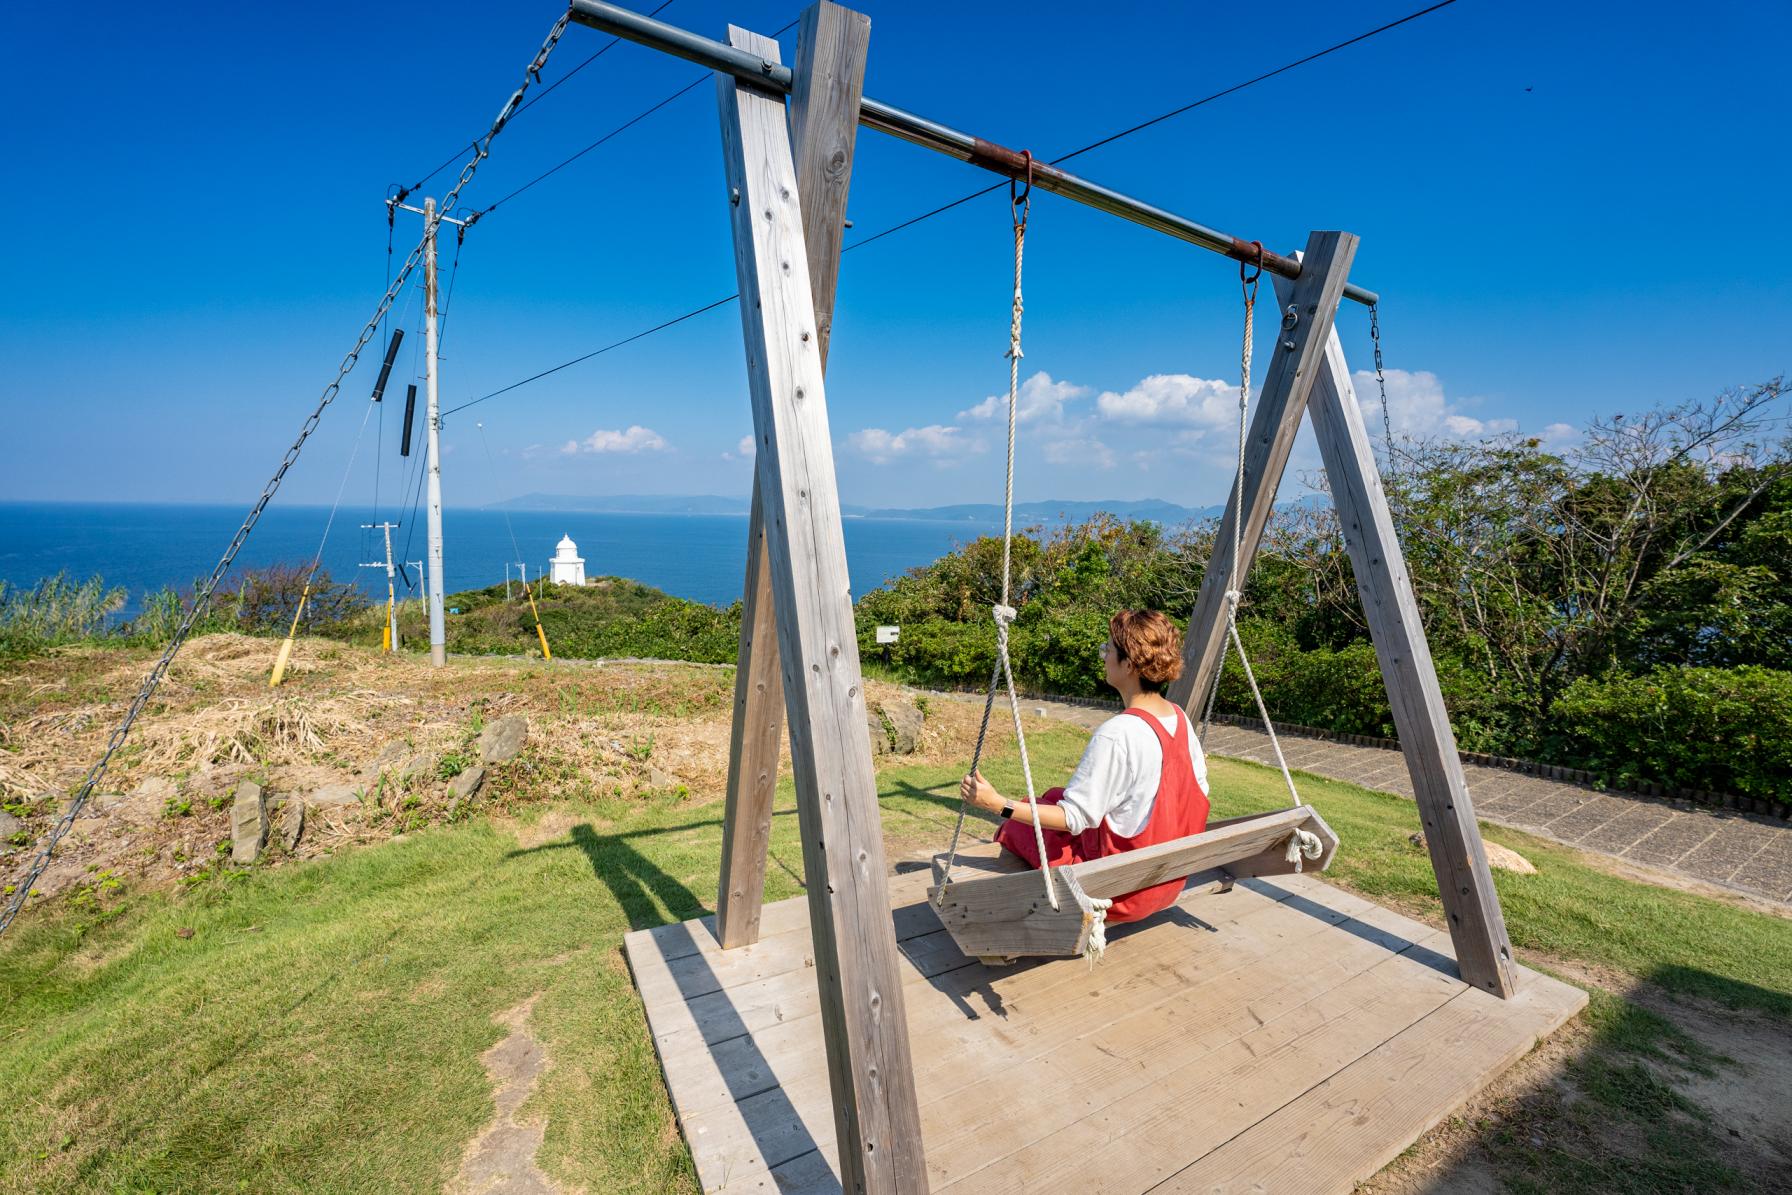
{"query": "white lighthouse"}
(567, 567)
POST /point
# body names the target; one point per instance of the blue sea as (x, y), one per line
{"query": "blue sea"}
(701, 557)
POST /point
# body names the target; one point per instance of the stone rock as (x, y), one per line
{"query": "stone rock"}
(422, 766)
(292, 824)
(880, 735)
(661, 779)
(248, 822)
(465, 786)
(1504, 858)
(9, 825)
(333, 796)
(1507, 859)
(905, 720)
(100, 803)
(503, 739)
(389, 757)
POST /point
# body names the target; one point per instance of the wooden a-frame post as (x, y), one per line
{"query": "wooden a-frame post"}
(1308, 374)
(827, 83)
(870, 1070)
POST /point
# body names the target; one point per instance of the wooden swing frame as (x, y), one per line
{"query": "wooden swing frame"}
(788, 174)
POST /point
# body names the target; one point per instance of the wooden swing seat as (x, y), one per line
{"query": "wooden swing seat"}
(995, 907)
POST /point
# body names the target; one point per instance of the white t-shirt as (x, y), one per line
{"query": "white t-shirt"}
(1118, 775)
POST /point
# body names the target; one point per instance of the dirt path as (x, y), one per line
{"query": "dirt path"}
(501, 1159)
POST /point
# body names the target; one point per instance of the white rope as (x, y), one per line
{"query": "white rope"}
(1235, 591)
(1098, 930)
(1003, 611)
(1303, 844)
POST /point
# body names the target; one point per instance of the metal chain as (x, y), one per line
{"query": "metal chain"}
(1234, 592)
(203, 594)
(1020, 203)
(1381, 381)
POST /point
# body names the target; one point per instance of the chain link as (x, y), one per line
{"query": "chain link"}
(1381, 381)
(203, 594)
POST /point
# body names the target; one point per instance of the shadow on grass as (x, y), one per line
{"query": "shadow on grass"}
(653, 899)
(647, 895)
(1624, 1113)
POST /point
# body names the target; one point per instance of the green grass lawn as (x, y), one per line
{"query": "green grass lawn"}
(320, 1028)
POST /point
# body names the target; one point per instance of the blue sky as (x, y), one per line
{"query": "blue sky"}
(1569, 209)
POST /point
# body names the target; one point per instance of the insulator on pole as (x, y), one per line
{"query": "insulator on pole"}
(379, 387)
(410, 410)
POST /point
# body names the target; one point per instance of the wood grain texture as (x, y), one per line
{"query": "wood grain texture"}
(754, 742)
(1181, 1060)
(856, 961)
(1345, 1129)
(1314, 297)
(824, 125)
(1477, 924)
(1004, 913)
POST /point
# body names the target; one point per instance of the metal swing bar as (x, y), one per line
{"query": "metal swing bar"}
(918, 130)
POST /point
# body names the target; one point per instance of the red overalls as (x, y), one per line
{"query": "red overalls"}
(1179, 810)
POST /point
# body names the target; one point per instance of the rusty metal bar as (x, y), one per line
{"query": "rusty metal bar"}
(918, 130)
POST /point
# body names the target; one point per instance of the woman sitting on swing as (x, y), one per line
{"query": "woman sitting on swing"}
(1141, 781)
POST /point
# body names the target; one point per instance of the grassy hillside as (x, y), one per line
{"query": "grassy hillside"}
(318, 1026)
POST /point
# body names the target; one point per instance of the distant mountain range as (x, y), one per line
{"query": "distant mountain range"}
(1050, 511)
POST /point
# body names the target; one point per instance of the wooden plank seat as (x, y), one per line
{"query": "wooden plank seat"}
(995, 906)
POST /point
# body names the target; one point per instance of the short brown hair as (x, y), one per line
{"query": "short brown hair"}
(1151, 642)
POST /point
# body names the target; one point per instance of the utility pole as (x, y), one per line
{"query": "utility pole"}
(391, 583)
(438, 633)
(438, 636)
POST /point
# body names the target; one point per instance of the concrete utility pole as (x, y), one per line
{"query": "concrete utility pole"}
(438, 633)
(438, 637)
(391, 583)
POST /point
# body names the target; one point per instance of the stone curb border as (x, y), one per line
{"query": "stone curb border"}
(1544, 771)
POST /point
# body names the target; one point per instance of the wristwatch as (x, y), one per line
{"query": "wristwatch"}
(1007, 810)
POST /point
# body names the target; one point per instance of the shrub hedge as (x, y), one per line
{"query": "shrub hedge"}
(1723, 729)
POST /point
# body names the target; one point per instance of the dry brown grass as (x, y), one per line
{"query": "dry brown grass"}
(611, 729)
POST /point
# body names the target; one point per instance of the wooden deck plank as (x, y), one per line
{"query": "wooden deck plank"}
(1193, 1010)
(1297, 1042)
(1348, 1127)
(950, 1032)
(1285, 1017)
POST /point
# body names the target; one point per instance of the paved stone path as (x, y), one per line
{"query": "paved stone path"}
(1744, 852)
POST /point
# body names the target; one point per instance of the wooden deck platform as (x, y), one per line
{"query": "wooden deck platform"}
(1281, 1036)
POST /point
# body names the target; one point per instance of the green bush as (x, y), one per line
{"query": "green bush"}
(1726, 729)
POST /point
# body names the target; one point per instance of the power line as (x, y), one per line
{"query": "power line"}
(594, 353)
(623, 127)
(943, 208)
(545, 92)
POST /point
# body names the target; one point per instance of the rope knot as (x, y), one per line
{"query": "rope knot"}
(1005, 615)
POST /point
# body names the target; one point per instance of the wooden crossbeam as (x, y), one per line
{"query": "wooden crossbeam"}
(864, 1024)
(828, 82)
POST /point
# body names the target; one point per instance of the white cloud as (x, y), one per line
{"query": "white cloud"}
(1174, 398)
(942, 444)
(635, 439)
(1560, 435)
(1039, 398)
(1417, 407)
(743, 451)
(1080, 454)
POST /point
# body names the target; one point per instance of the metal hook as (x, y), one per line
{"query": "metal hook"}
(1020, 198)
(1249, 282)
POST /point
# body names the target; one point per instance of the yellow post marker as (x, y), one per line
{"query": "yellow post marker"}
(540, 634)
(285, 655)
